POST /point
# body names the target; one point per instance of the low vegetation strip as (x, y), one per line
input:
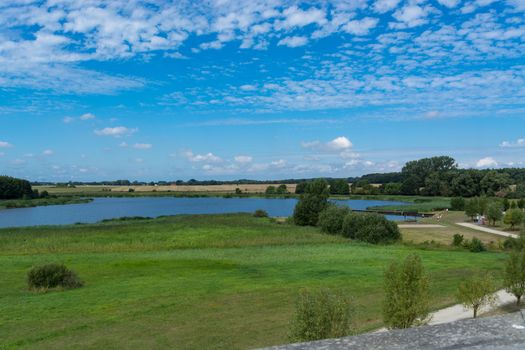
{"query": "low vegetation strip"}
(218, 281)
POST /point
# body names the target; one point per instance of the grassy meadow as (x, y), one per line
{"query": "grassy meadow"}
(196, 282)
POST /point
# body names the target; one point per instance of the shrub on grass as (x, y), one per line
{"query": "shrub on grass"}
(321, 314)
(371, 228)
(331, 219)
(457, 239)
(259, 213)
(351, 224)
(52, 276)
(476, 245)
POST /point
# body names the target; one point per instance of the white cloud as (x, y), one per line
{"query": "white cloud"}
(339, 144)
(117, 131)
(449, 3)
(47, 152)
(513, 144)
(295, 17)
(410, 16)
(281, 163)
(87, 116)
(383, 6)
(68, 120)
(243, 159)
(142, 146)
(360, 27)
(248, 87)
(487, 162)
(518, 4)
(123, 144)
(5, 144)
(208, 157)
(293, 41)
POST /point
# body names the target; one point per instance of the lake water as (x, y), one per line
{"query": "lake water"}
(110, 208)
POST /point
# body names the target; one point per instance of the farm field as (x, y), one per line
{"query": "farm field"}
(107, 190)
(195, 282)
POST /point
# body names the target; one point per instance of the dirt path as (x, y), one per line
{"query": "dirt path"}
(457, 312)
(486, 229)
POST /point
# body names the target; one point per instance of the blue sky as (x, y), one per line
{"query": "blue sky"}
(166, 90)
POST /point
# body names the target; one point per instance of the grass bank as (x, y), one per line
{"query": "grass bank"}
(195, 282)
(28, 203)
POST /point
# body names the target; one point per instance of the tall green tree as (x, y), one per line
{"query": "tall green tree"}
(494, 212)
(494, 182)
(406, 293)
(13, 188)
(513, 217)
(339, 186)
(311, 203)
(515, 275)
(416, 172)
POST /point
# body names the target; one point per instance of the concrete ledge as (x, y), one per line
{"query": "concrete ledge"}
(505, 332)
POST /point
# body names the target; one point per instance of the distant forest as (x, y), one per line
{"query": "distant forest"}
(436, 176)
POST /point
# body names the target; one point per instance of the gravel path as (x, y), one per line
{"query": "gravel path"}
(486, 229)
(457, 312)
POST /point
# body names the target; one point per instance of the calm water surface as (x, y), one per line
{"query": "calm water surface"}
(110, 208)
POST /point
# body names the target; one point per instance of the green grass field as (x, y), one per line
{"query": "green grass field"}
(195, 282)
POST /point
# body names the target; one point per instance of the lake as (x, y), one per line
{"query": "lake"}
(110, 208)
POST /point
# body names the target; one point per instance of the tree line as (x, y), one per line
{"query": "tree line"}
(440, 176)
(13, 188)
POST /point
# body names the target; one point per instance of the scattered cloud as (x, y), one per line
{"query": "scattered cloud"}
(208, 157)
(87, 116)
(243, 159)
(338, 144)
(117, 131)
(487, 162)
(293, 41)
(47, 152)
(142, 146)
(513, 144)
(382, 6)
(5, 144)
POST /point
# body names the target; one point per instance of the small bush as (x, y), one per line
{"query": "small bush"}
(351, 224)
(321, 314)
(371, 228)
(476, 246)
(457, 239)
(259, 213)
(516, 244)
(331, 219)
(52, 276)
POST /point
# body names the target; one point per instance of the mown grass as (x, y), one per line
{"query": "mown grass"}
(195, 282)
